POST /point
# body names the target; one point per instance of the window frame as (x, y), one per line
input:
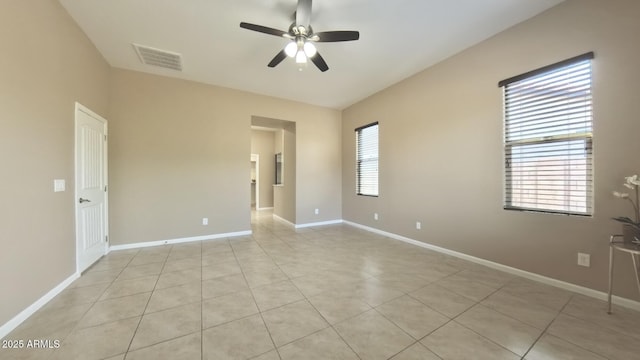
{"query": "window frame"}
(359, 161)
(551, 139)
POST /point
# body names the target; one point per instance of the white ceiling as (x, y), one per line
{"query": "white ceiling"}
(398, 38)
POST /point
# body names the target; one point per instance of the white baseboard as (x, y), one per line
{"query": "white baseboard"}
(264, 208)
(624, 302)
(307, 225)
(283, 220)
(321, 223)
(10, 325)
(24, 315)
(179, 240)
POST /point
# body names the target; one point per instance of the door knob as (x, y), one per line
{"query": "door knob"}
(84, 200)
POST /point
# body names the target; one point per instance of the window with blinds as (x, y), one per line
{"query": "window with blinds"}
(367, 160)
(548, 138)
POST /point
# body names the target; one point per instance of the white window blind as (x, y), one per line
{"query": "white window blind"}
(367, 160)
(548, 138)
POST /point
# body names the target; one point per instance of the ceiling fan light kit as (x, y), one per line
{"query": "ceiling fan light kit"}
(302, 37)
(300, 50)
(291, 49)
(301, 58)
(310, 49)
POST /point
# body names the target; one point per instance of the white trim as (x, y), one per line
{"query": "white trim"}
(321, 223)
(10, 325)
(276, 217)
(264, 208)
(628, 303)
(307, 225)
(178, 241)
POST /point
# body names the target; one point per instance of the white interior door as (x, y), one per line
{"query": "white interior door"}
(91, 187)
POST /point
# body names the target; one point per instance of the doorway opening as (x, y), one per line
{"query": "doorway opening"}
(274, 143)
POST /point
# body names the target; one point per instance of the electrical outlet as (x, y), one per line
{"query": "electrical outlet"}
(418, 225)
(375, 216)
(317, 211)
(584, 259)
(205, 221)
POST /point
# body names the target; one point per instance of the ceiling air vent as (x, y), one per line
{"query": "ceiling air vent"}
(157, 57)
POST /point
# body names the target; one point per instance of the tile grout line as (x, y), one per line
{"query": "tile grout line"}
(434, 330)
(485, 338)
(143, 314)
(254, 298)
(561, 312)
(401, 329)
(544, 331)
(147, 304)
(305, 298)
(75, 326)
(475, 332)
(319, 313)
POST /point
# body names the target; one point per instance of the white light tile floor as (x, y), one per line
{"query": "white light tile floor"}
(331, 292)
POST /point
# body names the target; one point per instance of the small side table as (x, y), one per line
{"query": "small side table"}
(629, 248)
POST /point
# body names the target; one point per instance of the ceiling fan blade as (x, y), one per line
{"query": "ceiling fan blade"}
(264, 29)
(319, 62)
(303, 13)
(277, 59)
(334, 36)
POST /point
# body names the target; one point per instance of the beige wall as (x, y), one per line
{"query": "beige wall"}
(316, 158)
(47, 64)
(263, 144)
(285, 193)
(441, 159)
(179, 151)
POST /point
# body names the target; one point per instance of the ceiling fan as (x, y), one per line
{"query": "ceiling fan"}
(301, 47)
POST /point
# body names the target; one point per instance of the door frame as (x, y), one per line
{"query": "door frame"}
(81, 108)
(256, 158)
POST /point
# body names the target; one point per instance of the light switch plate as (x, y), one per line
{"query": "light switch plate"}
(59, 185)
(584, 259)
